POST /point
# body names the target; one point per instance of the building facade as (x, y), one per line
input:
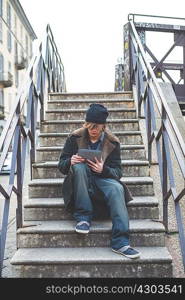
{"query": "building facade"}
(16, 39)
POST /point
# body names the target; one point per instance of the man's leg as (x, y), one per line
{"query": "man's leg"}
(83, 205)
(114, 196)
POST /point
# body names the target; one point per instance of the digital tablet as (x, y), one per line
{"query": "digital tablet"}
(90, 154)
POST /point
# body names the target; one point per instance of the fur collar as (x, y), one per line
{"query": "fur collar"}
(108, 145)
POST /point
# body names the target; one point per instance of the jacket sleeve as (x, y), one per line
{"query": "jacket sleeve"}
(65, 157)
(112, 165)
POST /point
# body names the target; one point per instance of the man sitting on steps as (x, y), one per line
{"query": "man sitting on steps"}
(89, 186)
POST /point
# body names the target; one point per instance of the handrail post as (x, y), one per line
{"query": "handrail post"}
(164, 173)
(19, 219)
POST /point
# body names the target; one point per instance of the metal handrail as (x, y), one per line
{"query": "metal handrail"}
(45, 74)
(131, 17)
(149, 92)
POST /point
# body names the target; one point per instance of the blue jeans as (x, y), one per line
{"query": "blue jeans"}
(86, 185)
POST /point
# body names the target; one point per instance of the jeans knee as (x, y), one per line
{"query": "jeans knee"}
(79, 168)
(117, 188)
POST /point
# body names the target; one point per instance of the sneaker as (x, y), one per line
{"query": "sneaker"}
(82, 227)
(128, 252)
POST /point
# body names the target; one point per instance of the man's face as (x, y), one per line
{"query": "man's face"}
(95, 131)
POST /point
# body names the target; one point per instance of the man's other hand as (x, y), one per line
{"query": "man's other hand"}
(96, 166)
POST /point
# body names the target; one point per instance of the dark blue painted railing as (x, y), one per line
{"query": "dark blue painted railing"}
(45, 74)
(167, 137)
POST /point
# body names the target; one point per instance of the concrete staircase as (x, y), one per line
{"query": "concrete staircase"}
(48, 245)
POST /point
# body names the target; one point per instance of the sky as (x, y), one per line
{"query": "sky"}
(89, 34)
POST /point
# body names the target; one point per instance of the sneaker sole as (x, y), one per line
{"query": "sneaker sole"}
(82, 231)
(129, 256)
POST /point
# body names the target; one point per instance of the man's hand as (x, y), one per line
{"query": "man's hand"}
(76, 159)
(96, 166)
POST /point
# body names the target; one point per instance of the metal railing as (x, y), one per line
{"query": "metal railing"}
(45, 74)
(150, 95)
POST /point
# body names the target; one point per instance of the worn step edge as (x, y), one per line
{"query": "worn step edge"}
(45, 122)
(122, 146)
(90, 255)
(88, 100)
(127, 180)
(68, 226)
(77, 110)
(91, 93)
(51, 164)
(59, 202)
(65, 134)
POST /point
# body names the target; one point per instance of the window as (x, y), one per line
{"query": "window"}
(26, 40)
(16, 78)
(31, 49)
(16, 48)
(8, 14)
(1, 31)
(9, 41)
(1, 8)
(21, 35)
(15, 25)
(9, 67)
(1, 102)
(1, 66)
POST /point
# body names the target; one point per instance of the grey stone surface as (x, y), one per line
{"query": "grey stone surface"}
(53, 209)
(62, 234)
(49, 169)
(91, 262)
(79, 114)
(58, 139)
(81, 103)
(127, 152)
(70, 125)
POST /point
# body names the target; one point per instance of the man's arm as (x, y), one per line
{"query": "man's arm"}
(65, 156)
(68, 156)
(112, 165)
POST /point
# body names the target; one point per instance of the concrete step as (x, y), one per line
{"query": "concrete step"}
(58, 139)
(49, 169)
(90, 262)
(84, 103)
(41, 234)
(39, 209)
(51, 188)
(127, 152)
(71, 125)
(76, 113)
(89, 96)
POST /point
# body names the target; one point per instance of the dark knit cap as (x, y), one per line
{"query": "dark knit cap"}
(97, 113)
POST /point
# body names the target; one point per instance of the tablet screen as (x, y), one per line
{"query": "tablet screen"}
(90, 154)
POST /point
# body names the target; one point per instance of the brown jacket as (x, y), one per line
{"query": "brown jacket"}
(110, 154)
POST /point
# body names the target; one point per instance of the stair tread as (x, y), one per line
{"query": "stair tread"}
(58, 110)
(122, 146)
(127, 180)
(82, 121)
(91, 93)
(85, 255)
(125, 132)
(58, 202)
(125, 162)
(88, 100)
(65, 226)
